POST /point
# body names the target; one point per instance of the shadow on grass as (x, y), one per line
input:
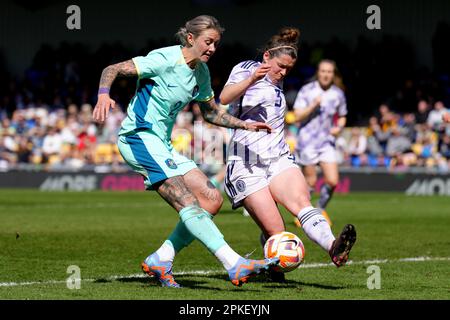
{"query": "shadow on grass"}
(291, 284)
(185, 281)
(189, 284)
(288, 284)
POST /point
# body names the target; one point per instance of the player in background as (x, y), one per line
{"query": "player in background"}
(316, 106)
(168, 79)
(261, 172)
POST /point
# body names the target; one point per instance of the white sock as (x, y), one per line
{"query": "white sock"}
(227, 256)
(316, 227)
(166, 252)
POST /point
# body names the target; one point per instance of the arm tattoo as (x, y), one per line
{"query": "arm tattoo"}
(109, 74)
(214, 115)
(177, 194)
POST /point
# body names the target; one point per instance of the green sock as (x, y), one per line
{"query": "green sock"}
(199, 223)
(181, 237)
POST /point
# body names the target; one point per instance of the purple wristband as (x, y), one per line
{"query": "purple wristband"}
(103, 90)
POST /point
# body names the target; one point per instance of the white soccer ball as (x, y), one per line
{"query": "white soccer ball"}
(288, 248)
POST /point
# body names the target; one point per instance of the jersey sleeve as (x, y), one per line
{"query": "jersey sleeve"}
(342, 108)
(150, 65)
(240, 72)
(205, 92)
(301, 99)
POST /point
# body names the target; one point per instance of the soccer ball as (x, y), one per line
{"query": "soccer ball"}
(286, 246)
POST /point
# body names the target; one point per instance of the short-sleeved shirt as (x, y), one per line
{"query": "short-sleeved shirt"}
(262, 102)
(166, 84)
(315, 130)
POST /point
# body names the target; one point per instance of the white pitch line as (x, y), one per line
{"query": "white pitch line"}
(215, 272)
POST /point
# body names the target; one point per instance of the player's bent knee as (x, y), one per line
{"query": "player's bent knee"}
(311, 181)
(332, 182)
(219, 203)
(215, 205)
(298, 204)
(273, 231)
(304, 200)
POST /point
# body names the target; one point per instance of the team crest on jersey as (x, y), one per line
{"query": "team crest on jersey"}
(195, 92)
(171, 164)
(240, 185)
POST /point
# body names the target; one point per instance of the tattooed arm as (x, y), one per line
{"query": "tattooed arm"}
(215, 115)
(109, 74)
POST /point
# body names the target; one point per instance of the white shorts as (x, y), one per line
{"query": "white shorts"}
(243, 179)
(312, 156)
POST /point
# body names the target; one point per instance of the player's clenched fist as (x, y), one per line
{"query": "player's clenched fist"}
(260, 72)
(101, 109)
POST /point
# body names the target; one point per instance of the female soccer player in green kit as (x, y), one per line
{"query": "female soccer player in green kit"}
(168, 79)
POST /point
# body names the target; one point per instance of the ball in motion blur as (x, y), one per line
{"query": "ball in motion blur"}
(288, 248)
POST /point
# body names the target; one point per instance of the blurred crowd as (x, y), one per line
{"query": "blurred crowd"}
(393, 122)
(65, 139)
(68, 139)
(397, 140)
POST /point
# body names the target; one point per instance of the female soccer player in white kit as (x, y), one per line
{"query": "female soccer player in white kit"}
(316, 106)
(260, 170)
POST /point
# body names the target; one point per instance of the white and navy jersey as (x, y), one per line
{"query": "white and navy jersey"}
(314, 131)
(262, 102)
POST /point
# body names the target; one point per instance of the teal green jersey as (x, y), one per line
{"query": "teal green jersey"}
(166, 84)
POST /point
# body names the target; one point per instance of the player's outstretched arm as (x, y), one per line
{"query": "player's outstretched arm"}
(109, 74)
(219, 117)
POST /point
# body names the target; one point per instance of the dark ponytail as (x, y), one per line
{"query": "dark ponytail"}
(285, 42)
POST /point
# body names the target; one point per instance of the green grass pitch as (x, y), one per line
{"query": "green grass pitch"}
(107, 235)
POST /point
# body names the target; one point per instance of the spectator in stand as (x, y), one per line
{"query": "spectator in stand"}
(397, 145)
(357, 147)
(444, 147)
(10, 141)
(381, 135)
(408, 123)
(422, 112)
(73, 158)
(24, 149)
(436, 117)
(183, 134)
(425, 148)
(6, 154)
(112, 125)
(383, 113)
(5, 125)
(51, 146)
(18, 122)
(374, 149)
(70, 130)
